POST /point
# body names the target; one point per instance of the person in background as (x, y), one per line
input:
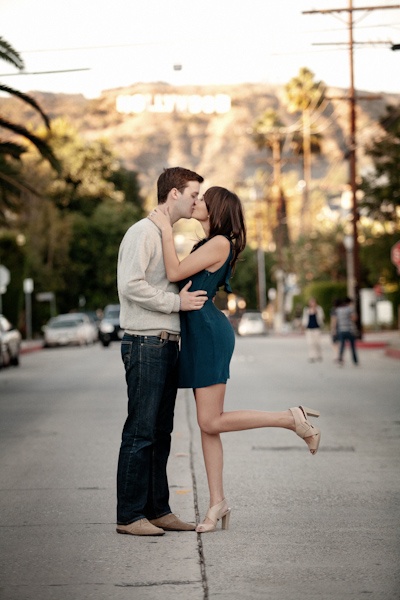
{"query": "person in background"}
(312, 322)
(150, 306)
(345, 322)
(334, 331)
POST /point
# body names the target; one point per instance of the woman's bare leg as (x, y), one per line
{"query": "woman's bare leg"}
(212, 419)
(212, 448)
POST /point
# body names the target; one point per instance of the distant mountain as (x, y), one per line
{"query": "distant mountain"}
(180, 126)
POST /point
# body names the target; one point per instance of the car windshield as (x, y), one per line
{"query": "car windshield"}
(112, 314)
(62, 324)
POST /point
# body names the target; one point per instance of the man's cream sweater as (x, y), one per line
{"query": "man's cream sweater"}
(149, 302)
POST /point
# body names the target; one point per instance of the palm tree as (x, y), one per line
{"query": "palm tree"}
(269, 133)
(11, 183)
(305, 95)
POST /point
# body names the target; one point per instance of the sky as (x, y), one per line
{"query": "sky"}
(122, 42)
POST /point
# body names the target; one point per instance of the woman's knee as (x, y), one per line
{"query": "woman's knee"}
(207, 425)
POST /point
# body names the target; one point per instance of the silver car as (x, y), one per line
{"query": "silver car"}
(70, 329)
(252, 323)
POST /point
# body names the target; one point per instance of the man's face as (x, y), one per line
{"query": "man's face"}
(186, 199)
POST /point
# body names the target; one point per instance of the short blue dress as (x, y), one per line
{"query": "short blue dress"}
(208, 339)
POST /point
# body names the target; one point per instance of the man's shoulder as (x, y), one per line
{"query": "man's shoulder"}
(144, 227)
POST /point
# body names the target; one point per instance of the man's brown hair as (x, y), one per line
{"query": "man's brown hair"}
(176, 177)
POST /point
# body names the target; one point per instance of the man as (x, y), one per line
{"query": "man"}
(150, 307)
(345, 320)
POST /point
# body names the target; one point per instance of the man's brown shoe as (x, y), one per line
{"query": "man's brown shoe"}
(141, 527)
(172, 523)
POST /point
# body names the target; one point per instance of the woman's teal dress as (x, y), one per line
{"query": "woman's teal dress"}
(208, 338)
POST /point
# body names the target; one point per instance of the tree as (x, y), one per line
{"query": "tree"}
(382, 186)
(269, 133)
(73, 231)
(11, 182)
(305, 95)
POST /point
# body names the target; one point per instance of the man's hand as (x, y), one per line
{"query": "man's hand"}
(192, 300)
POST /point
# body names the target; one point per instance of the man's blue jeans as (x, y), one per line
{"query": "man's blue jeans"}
(151, 371)
(351, 338)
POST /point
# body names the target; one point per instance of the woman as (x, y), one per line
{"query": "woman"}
(312, 322)
(208, 339)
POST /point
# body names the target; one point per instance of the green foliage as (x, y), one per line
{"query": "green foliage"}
(382, 187)
(303, 92)
(244, 281)
(93, 254)
(319, 257)
(11, 181)
(376, 261)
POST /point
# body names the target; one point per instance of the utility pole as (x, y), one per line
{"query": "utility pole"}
(352, 141)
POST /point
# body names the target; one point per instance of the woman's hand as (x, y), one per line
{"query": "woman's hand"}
(160, 217)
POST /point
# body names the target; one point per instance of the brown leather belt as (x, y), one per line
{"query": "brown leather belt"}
(171, 337)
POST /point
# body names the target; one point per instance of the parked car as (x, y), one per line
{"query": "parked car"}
(252, 323)
(10, 343)
(109, 329)
(70, 329)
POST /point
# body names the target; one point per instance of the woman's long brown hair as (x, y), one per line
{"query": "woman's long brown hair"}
(226, 218)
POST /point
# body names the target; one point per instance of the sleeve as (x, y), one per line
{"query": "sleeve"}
(133, 261)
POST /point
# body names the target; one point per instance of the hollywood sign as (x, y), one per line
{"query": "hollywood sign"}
(169, 103)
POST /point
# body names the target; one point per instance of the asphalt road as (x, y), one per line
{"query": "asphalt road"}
(302, 526)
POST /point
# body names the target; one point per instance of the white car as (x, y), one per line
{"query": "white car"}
(10, 343)
(252, 323)
(70, 329)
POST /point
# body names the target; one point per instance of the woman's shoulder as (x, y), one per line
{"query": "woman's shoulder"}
(220, 241)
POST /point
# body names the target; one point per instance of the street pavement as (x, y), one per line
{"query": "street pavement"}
(302, 526)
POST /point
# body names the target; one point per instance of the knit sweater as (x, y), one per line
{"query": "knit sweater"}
(149, 302)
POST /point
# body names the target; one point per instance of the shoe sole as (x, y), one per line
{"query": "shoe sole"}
(123, 532)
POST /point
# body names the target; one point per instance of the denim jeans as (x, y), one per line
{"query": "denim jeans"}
(151, 371)
(351, 338)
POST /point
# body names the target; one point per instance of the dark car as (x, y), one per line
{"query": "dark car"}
(10, 343)
(109, 328)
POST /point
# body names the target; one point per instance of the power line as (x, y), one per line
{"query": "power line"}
(42, 72)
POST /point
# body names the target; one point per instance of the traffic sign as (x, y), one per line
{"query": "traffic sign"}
(395, 255)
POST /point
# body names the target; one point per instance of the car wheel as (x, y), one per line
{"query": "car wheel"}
(105, 343)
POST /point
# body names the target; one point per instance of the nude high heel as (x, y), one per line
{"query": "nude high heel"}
(214, 513)
(304, 428)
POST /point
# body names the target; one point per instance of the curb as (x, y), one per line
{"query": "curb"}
(392, 352)
(32, 347)
(361, 344)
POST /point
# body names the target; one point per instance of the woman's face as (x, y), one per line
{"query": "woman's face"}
(200, 211)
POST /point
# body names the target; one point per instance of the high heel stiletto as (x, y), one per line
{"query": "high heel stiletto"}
(214, 513)
(304, 428)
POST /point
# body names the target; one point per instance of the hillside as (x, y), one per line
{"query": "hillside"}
(217, 145)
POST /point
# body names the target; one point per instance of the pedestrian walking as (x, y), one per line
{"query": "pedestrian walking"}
(346, 319)
(150, 306)
(208, 339)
